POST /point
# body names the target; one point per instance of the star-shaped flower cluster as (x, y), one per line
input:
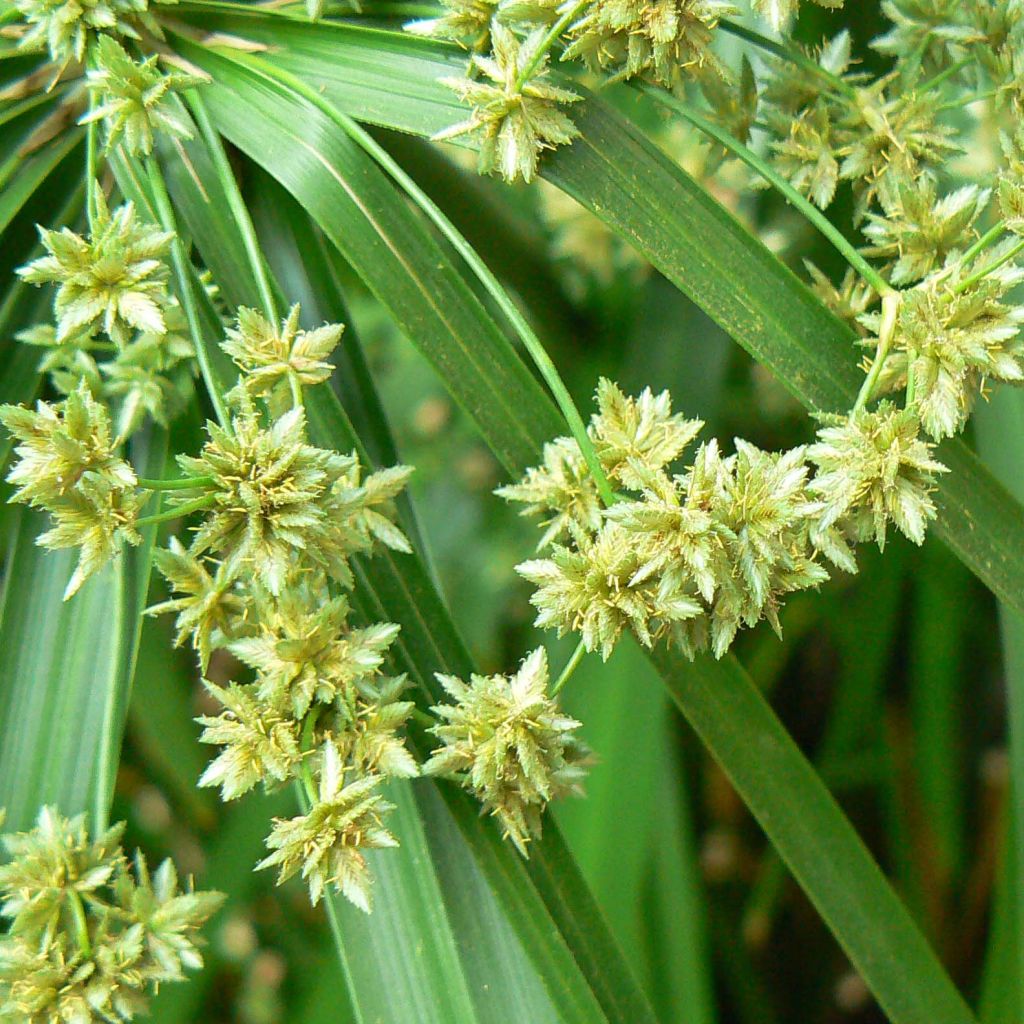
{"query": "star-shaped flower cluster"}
(69, 464)
(516, 111)
(506, 740)
(692, 557)
(90, 936)
(115, 280)
(135, 98)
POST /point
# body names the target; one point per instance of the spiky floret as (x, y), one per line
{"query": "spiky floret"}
(89, 936)
(68, 464)
(919, 231)
(114, 281)
(561, 490)
(781, 12)
(134, 98)
(261, 742)
(661, 40)
(874, 469)
(277, 363)
(305, 651)
(67, 27)
(594, 590)
(268, 496)
(957, 334)
(466, 22)
(327, 843)
(514, 120)
(507, 741)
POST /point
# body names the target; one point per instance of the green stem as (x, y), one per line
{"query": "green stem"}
(787, 53)
(911, 380)
(762, 167)
(547, 42)
(980, 275)
(480, 270)
(942, 76)
(91, 162)
(296, 389)
(188, 483)
(81, 924)
(991, 236)
(570, 668)
(235, 202)
(183, 272)
(890, 310)
(206, 501)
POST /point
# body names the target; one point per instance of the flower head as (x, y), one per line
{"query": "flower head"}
(874, 469)
(655, 39)
(327, 844)
(115, 281)
(561, 490)
(261, 744)
(959, 333)
(274, 361)
(89, 937)
(466, 22)
(66, 27)
(268, 495)
(135, 98)
(516, 120)
(919, 230)
(306, 651)
(509, 743)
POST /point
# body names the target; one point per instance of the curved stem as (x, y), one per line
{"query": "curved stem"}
(942, 76)
(81, 924)
(570, 668)
(183, 272)
(238, 208)
(980, 275)
(756, 163)
(990, 237)
(547, 42)
(787, 53)
(890, 310)
(187, 483)
(296, 390)
(480, 270)
(206, 501)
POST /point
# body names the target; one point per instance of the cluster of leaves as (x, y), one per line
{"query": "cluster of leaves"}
(690, 558)
(90, 935)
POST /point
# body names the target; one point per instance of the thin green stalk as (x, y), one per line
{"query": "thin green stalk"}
(787, 53)
(81, 924)
(990, 237)
(547, 42)
(890, 310)
(183, 271)
(91, 184)
(570, 668)
(206, 501)
(480, 270)
(238, 208)
(762, 167)
(969, 282)
(296, 390)
(942, 76)
(187, 483)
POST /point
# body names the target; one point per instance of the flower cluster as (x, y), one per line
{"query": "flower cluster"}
(516, 111)
(508, 743)
(957, 329)
(134, 98)
(69, 464)
(265, 577)
(90, 935)
(68, 27)
(691, 558)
